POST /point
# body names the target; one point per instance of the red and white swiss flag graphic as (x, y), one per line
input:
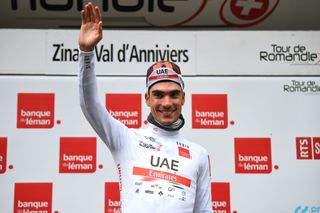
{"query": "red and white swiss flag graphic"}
(253, 155)
(308, 148)
(35, 110)
(112, 198)
(78, 155)
(33, 197)
(220, 193)
(125, 108)
(245, 13)
(209, 111)
(3, 155)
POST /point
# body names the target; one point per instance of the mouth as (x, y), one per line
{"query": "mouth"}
(167, 113)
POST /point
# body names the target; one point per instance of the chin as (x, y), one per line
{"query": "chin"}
(166, 122)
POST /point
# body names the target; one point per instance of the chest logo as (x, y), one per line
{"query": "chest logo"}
(183, 150)
(164, 163)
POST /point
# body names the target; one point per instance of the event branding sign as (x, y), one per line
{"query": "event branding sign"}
(3, 154)
(126, 108)
(112, 198)
(33, 197)
(220, 192)
(35, 110)
(308, 148)
(78, 155)
(253, 155)
(209, 111)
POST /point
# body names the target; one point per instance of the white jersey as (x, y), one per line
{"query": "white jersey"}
(159, 171)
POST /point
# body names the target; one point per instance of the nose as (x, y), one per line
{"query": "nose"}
(166, 102)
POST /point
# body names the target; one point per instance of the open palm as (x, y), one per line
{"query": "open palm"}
(91, 28)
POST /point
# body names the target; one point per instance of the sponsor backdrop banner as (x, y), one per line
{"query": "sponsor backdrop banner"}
(262, 132)
(123, 53)
(210, 14)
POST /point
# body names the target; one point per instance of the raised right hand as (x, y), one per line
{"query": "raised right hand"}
(91, 28)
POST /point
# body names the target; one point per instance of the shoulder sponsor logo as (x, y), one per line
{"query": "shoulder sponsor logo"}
(3, 155)
(125, 108)
(220, 192)
(246, 13)
(33, 197)
(209, 111)
(77, 155)
(150, 146)
(308, 148)
(253, 155)
(112, 198)
(151, 143)
(35, 110)
(183, 150)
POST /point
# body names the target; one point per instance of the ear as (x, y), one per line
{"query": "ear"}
(147, 98)
(183, 98)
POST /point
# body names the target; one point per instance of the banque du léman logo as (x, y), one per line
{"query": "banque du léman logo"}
(33, 197)
(112, 198)
(35, 110)
(125, 108)
(253, 155)
(209, 111)
(78, 155)
(3, 155)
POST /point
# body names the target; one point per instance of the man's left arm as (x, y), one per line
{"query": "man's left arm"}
(203, 202)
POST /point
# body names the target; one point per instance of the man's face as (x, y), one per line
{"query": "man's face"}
(165, 100)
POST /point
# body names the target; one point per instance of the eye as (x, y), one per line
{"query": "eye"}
(175, 94)
(157, 94)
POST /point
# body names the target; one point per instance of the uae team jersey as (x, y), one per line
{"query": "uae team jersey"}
(159, 171)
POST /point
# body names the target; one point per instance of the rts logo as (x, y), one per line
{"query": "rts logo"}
(246, 13)
(220, 197)
(35, 110)
(3, 155)
(308, 148)
(77, 155)
(253, 155)
(112, 198)
(33, 197)
(209, 111)
(125, 108)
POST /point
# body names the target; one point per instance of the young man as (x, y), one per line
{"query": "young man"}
(159, 170)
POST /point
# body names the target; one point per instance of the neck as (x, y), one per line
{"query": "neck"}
(175, 126)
